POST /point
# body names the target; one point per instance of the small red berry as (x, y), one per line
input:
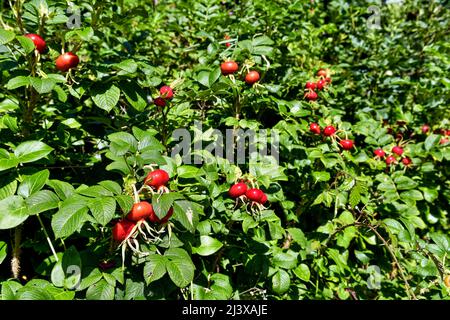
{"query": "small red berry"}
(122, 229)
(67, 61)
(229, 67)
(263, 199)
(252, 77)
(157, 178)
(406, 161)
(227, 37)
(254, 194)
(320, 84)
(444, 140)
(38, 41)
(328, 80)
(311, 95)
(346, 144)
(314, 128)
(166, 92)
(322, 73)
(329, 131)
(237, 190)
(390, 159)
(397, 150)
(425, 128)
(160, 102)
(310, 85)
(379, 153)
(140, 210)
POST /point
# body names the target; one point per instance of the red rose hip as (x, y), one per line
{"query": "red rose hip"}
(38, 41)
(166, 92)
(122, 229)
(254, 194)
(139, 211)
(229, 67)
(314, 128)
(397, 150)
(237, 190)
(67, 61)
(346, 144)
(379, 153)
(329, 131)
(252, 77)
(157, 178)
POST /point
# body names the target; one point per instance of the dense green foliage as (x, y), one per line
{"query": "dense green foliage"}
(76, 146)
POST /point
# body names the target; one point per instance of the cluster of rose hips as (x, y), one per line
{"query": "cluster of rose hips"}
(125, 229)
(391, 159)
(330, 131)
(165, 94)
(311, 87)
(64, 62)
(255, 196)
(230, 67)
(445, 132)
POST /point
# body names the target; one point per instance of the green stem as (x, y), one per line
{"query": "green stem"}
(48, 238)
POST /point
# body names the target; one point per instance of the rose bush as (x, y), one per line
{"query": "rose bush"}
(95, 202)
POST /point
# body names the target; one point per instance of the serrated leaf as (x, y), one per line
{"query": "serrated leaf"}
(31, 151)
(6, 36)
(179, 266)
(106, 98)
(134, 95)
(12, 212)
(17, 82)
(70, 217)
(63, 189)
(33, 183)
(208, 246)
(302, 272)
(281, 282)
(101, 290)
(103, 209)
(155, 268)
(41, 201)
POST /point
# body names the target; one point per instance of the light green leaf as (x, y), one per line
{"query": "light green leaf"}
(70, 217)
(33, 183)
(101, 290)
(208, 246)
(281, 282)
(103, 209)
(106, 98)
(179, 266)
(155, 268)
(41, 201)
(12, 212)
(30, 151)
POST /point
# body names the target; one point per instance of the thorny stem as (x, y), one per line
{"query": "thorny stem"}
(15, 261)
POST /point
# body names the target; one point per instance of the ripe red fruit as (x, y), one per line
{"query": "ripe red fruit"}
(314, 128)
(447, 132)
(311, 95)
(254, 194)
(229, 67)
(346, 144)
(252, 77)
(444, 140)
(237, 190)
(263, 199)
(379, 152)
(122, 229)
(320, 84)
(425, 128)
(329, 131)
(157, 178)
(67, 61)
(39, 43)
(160, 102)
(310, 85)
(154, 218)
(390, 159)
(140, 210)
(322, 73)
(328, 80)
(397, 150)
(166, 92)
(227, 37)
(406, 161)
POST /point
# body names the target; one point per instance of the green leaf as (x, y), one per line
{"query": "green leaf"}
(393, 226)
(431, 141)
(208, 246)
(63, 189)
(12, 212)
(285, 260)
(112, 186)
(155, 268)
(3, 251)
(213, 76)
(33, 293)
(17, 82)
(103, 209)
(9, 289)
(106, 98)
(302, 272)
(43, 85)
(101, 290)
(6, 36)
(70, 217)
(9, 189)
(31, 151)
(71, 265)
(405, 183)
(179, 266)
(126, 66)
(442, 241)
(134, 95)
(164, 203)
(33, 183)
(26, 43)
(187, 213)
(41, 201)
(321, 176)
(281, 282)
